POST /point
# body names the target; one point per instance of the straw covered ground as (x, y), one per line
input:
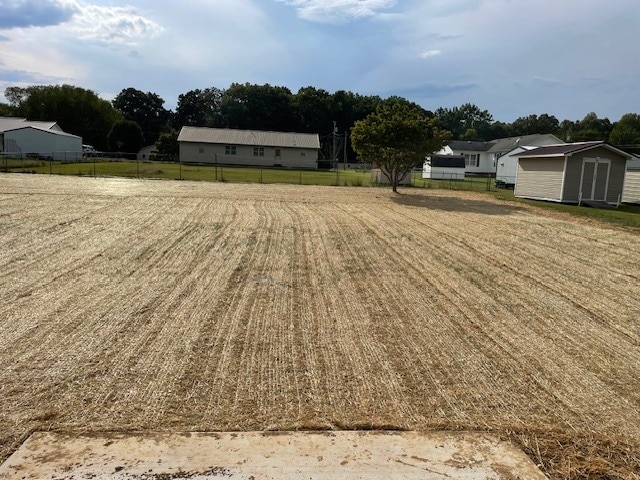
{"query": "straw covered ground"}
(133, 305)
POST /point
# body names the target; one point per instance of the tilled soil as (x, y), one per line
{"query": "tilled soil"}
(134, 305)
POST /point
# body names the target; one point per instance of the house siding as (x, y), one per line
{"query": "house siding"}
(632, 187)
(540, 178)
(207, 153)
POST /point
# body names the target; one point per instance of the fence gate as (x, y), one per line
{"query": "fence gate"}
(594, 182)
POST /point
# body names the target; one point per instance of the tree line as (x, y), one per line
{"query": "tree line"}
(135, 118)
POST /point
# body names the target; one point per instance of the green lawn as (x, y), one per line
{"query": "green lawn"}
(625, 215)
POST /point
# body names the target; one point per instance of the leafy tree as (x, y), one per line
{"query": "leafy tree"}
(460, 120)
(535, 124)
(146, 109)
(626, 131)
(591, 128)
(258, 107)
(397, 136)
(5, 110)
(125, 136)
(78, 111)
(314, 109)
(199, 108)
(167, 144)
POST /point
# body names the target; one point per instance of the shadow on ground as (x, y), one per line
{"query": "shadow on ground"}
(455, 204)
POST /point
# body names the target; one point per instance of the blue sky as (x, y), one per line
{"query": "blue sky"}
(511, 57)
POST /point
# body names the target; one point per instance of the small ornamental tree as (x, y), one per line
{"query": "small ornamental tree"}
(396, 137)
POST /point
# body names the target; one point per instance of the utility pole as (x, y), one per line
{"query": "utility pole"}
(345, 150)
(333, 157)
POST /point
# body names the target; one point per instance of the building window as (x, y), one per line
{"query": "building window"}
(201, 150)
(277, 152)
(471, 159)
(229, 149)
(303, 154)
(258, 151)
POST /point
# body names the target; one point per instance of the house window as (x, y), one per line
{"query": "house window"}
(471, 159)
(201, 150)
(229, 149)
(303, 154)
(258, 151)
(277, 152)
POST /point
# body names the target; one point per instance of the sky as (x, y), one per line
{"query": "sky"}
(511, 57)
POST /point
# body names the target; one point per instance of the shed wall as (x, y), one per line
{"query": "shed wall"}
(632, 187)
(215, 153)
(28, 140)
(539, 178)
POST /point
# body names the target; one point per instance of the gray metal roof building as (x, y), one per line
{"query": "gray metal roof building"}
(249, 137)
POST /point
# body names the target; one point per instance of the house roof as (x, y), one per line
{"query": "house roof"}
(228, 136)
(568, 149)
(502, 145)
(12, 123)
(509, 143)
(470, 146)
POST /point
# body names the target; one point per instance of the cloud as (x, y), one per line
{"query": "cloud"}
(431, 53)
(435, 90)
(35, 13)
(338, 11)
(113, 25)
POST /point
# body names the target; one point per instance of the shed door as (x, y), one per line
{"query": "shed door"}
(595, 179)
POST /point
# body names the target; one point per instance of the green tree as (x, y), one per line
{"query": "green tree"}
(397, 136)
(626, 131)
(167, 144)
(199, 108)
(78, 111)
(258, 107)
(125, 136)
(146, 109)
(466, 119)
(591, 128)
(314, 110)
(5, 110)
(532, 124)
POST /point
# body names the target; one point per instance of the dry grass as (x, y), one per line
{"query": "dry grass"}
(150, 305)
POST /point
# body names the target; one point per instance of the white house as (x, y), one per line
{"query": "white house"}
(228, 146)
(481, 157)
(20, 137)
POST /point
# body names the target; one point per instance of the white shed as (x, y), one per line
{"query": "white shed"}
(444, 167)
(29, 140)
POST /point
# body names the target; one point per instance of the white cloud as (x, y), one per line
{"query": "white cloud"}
(338, 11)
(431, 53)
(112, 25)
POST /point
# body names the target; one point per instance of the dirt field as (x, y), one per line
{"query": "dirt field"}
(158, 305)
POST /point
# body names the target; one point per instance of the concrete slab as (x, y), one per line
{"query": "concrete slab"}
(268, 455)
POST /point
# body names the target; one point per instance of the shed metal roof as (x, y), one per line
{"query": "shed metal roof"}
(44, 130)
(568, 149)
(229, 136)
(12, 123)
